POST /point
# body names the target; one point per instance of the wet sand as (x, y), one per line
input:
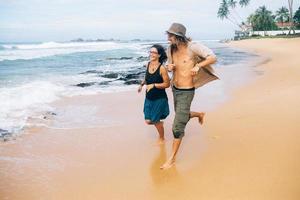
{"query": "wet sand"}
(248, 147)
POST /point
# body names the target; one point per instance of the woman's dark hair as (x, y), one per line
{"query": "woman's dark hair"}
(161, 51)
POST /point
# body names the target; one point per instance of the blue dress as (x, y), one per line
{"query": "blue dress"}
(156, 106)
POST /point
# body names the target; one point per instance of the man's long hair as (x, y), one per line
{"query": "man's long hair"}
(179, 41)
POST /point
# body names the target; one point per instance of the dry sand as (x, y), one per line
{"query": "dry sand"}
(248, 147)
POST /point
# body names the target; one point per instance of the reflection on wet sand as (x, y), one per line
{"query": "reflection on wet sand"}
(164, 181)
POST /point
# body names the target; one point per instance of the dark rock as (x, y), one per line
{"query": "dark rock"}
(132, 82)
(122, 58)
(126, 58)
(239, 52)
(104, 83)
(121, 79)
(51, 113)
(111, 75)
(142, 58)
(85, 84)
(4, 133)
(91, 72)
(77, 40)
(132, 76)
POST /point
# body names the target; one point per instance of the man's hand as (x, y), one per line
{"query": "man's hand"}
(170, 67)
(195, 70)
(149, 87)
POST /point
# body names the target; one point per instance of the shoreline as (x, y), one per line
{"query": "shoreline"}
(243, 151)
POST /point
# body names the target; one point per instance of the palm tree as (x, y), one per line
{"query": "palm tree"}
(232, 3)
(292, 28)
(282, 15)
(227, 6)
(262, 20)
(250, 19)
(244, 3)
(231, 6)
(297, 17)
(223, 11)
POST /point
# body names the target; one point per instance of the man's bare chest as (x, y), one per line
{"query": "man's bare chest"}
(183, 61)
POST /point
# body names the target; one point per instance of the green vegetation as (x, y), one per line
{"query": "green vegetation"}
(282, 15)
(262, 19)
(273, 36)
(297, 17)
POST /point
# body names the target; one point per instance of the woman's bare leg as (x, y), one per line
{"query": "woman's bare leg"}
(161, 132)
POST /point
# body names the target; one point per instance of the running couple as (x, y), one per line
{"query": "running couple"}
(190, 64)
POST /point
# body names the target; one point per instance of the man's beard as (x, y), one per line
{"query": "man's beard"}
(174, 48)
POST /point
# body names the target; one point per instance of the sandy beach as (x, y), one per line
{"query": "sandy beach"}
(248, 147)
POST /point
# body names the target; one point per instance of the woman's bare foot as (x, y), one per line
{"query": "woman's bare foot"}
(168, 164)
(201, 117)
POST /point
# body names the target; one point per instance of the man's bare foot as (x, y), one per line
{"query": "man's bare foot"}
(201, 117)
(168, 164)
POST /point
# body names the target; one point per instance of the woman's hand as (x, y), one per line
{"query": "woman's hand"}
(140, 88)
(149, 87)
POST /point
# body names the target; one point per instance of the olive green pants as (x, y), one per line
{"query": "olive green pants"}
(182, 104)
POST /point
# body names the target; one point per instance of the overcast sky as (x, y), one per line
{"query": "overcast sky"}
(63, 20)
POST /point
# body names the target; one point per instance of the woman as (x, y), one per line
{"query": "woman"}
(156, 107)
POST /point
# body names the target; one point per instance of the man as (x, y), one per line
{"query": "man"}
(190, 63)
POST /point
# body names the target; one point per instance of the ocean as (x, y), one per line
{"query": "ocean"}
(34, 75)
